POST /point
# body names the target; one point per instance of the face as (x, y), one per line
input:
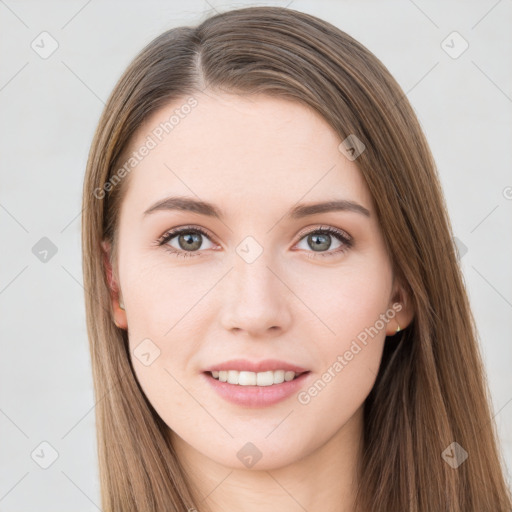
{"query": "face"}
(266, 281)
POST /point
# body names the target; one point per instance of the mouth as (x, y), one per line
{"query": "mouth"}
(256, 383)
(260, 389)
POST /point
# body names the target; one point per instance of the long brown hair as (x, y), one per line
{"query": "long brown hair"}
(430, 391)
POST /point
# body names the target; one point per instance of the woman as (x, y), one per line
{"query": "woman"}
(276, 315)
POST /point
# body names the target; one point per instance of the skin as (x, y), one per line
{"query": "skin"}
(255, 158)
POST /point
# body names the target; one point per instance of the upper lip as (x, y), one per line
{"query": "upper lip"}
(253, 366)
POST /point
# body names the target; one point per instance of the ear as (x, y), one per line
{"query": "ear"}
(115, 293)
(404, 310)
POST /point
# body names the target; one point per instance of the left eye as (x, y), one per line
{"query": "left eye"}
(189, 241)
(320, 239)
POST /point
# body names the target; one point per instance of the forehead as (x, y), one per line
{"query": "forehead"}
(225, 148)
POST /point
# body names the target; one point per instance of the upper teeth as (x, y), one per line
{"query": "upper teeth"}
(252, 378)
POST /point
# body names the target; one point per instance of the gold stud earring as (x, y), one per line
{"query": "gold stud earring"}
(398, 328)
(121, 305)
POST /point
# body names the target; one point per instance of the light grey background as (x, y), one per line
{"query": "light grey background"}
(49, 110)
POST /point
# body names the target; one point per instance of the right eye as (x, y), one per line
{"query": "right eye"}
(189, 240)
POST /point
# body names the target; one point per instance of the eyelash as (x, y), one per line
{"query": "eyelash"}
(338, 234)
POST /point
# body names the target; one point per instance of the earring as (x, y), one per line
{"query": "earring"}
(121, 305)
(398, 329)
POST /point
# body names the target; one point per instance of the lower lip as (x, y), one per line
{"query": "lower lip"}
(256, 396)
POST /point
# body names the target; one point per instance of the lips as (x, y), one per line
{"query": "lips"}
(251, 385)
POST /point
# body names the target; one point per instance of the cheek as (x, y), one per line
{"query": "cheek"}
(163, 295)
(164, 314)
(346, 300)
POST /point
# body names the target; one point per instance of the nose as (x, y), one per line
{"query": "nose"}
(256, 301)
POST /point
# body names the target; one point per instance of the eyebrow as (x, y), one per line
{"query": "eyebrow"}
(297, 212)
